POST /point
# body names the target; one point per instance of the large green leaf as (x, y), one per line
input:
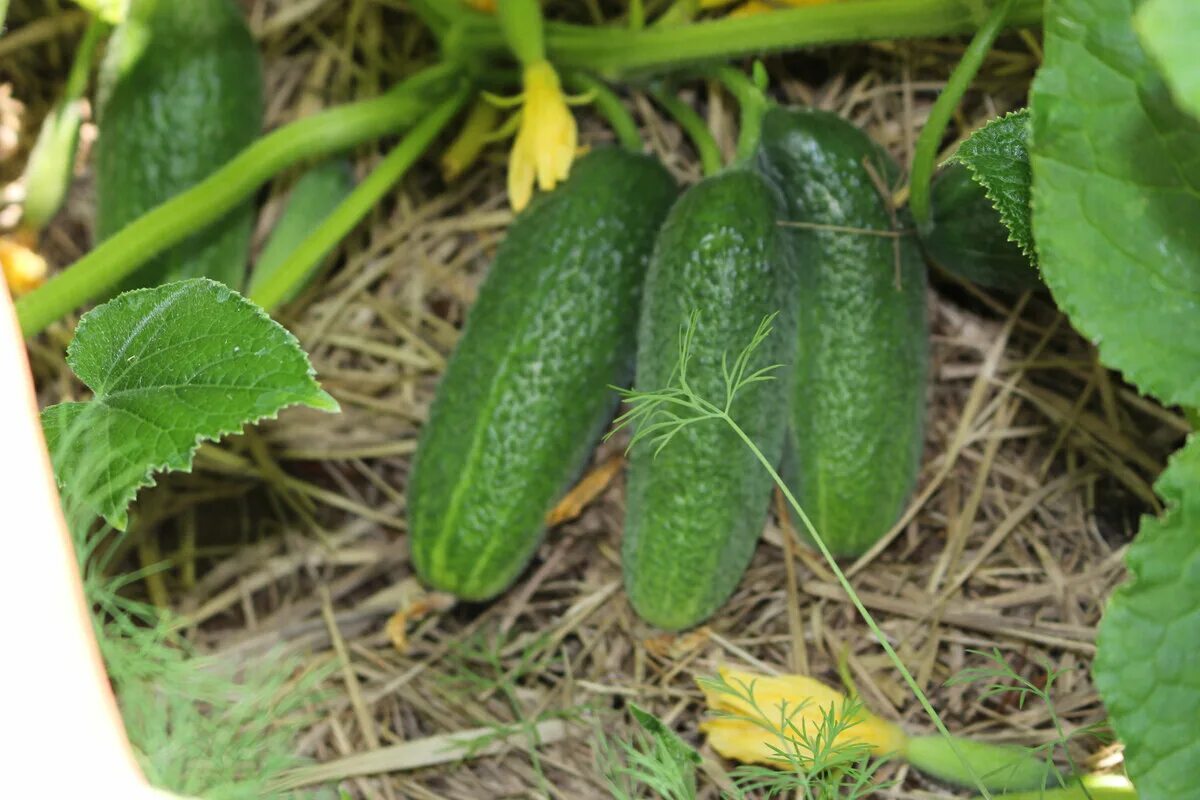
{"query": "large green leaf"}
(1116, 193)
(998, 157)
(1145, 665)
(170, 367)
(1170, 32)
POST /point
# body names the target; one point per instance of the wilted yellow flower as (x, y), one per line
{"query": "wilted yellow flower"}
(488, 6)
(738, 734)
(546, 139)
(24, 269)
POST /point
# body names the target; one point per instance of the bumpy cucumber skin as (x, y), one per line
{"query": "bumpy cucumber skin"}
(969, 240)
(695, 511)
(858, 383)
(526, 392)
(182, 87)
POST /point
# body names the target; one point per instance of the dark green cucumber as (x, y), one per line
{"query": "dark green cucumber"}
(526, 392)
(181, 95)
(695, 511)
(858, 386)
(314, 197)
(969, 240)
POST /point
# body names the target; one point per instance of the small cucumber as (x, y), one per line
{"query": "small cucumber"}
(181, 94)
(969, 240)
(526, 393)
(695, 511)
(858, 391)
(314, 197)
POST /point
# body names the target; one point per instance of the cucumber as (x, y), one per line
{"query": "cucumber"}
(969, 240)
(181, 93)
(695, 511)
(858, 390)
(314, 197)
(527, 391)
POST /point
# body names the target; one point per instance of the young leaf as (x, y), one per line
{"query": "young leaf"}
(171, 367)
(667, 739)
(1169, 30)
(1145, 666)
(998, 157)
(1115, 177)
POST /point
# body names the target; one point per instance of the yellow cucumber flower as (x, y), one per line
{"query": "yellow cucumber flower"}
(487, 6)
(546, 139)
(747, 732)
(24, 270)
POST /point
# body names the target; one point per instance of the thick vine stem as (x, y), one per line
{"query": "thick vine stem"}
(618, 51)
(925, 153)
(174, 220)
(308, 255)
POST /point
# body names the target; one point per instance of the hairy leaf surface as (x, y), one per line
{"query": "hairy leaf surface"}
(1145, 665)
(998, 157)
(170, 367)
(1116, 193)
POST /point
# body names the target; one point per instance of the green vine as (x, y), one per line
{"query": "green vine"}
(617, 51)
(308, 255)
(319, 135)
(694, 127)
(925, 154)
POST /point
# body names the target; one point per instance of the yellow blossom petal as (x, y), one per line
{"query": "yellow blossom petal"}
(487, 6)
(24, 270)
(742, 738)
(546, 141)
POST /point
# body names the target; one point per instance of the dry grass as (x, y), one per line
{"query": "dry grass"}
(1037, 464)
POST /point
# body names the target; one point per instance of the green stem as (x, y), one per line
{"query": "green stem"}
(521, 22)
(694, 127)
(309, 254)
(862, 610)
(174, 220)
(637, 15)
(614, 52)
(928, 143)
(50, 168)
(752, 104)
(81, 67)
(610, 107)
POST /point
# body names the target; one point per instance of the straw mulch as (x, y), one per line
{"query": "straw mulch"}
(291, 539)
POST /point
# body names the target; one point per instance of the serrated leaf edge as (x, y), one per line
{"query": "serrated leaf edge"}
(1030, 250)
(320, 401)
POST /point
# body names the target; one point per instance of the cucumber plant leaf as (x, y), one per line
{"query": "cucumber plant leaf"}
(1116, 198)
(1170, 31)
(998, 157)
(1145, 666)
(170, 367)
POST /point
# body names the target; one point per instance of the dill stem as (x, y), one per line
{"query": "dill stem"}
(862, 610)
